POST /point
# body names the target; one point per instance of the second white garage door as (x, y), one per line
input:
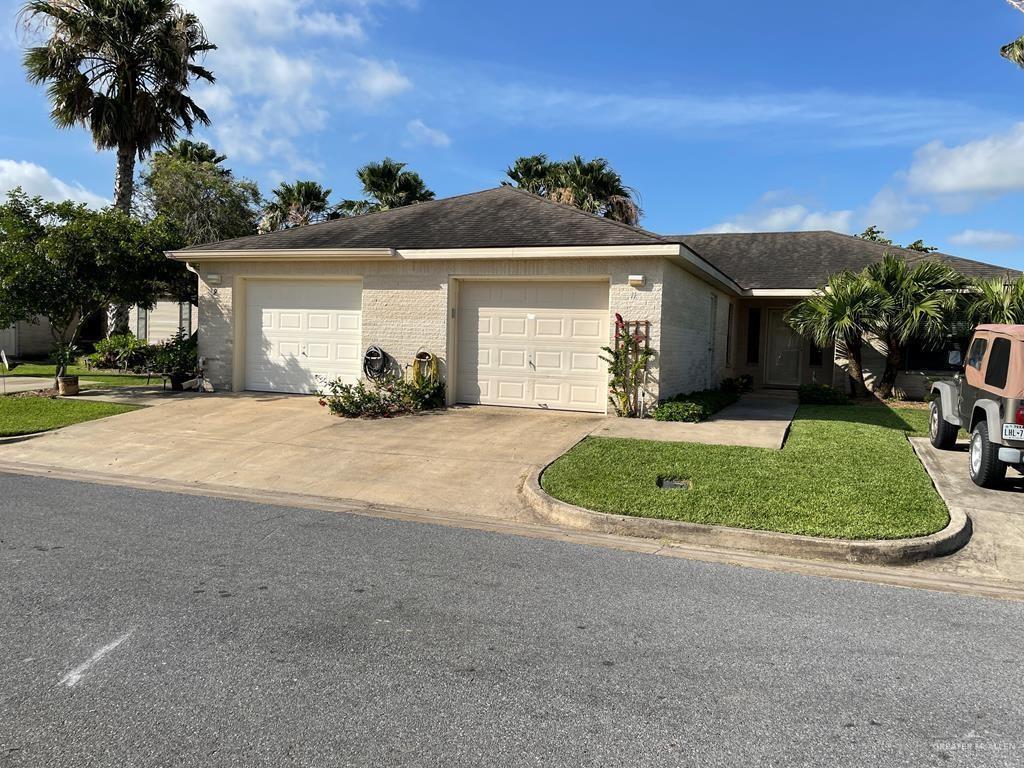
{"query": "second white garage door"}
(533, 344)
(297, 330)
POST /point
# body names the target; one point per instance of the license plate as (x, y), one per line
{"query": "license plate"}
(1013, 431)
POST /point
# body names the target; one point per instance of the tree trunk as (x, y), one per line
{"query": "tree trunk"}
(893, 361)
(124, 189)
(854, 368)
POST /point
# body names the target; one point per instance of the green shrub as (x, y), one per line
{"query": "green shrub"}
(696, 406)
(122, 351)
(821, 394)
(176, 355)
(387, 398)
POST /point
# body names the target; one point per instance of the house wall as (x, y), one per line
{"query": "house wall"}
(686, 325)
(163, 320)
(823, 374)
(406, 304)
(910, 384)
(34, 339)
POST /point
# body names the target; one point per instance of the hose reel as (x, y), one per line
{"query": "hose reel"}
(376, 363)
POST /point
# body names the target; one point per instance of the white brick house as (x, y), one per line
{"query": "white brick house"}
(514, 293)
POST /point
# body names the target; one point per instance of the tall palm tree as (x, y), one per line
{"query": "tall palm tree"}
(386, 185)
(590, 185)
(840, 313)
(122, 69)
(1014, 51)
(995, 301)
(295, 205)
(919, 304)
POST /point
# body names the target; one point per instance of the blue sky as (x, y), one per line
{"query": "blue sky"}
(736, 116)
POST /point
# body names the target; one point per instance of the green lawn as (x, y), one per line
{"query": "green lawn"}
(846, 472)
(25, 415)
(110, 379)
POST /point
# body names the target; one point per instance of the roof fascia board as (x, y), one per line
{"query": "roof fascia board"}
(287, 254)
(780, 293)
(539, 252)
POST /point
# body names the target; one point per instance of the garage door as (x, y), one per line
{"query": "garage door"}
(533, 344)
(297, 330)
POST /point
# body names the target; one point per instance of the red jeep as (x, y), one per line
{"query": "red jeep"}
(986, 398)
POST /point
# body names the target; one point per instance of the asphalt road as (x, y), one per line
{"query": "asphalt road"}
(152, 629)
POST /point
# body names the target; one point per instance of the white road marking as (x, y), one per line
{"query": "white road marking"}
(76, 674)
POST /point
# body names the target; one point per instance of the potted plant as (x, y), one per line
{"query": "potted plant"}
(64, 355)
(176, 359)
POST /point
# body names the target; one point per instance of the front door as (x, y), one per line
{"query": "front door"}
(782, 363)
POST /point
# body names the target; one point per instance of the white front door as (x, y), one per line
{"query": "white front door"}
(782, 364)
(297, 330)
(533, 344)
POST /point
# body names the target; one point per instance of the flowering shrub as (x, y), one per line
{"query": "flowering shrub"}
(627, 368)
(390, 397)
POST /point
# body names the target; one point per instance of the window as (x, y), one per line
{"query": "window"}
(728, 335)
(998, 364)
(919, 356)
(977, 353)
(185, 317)
(753, 335)
(817, 357)
(142, 324)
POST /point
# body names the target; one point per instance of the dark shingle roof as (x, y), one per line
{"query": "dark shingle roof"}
(503, 217)
(807, 259)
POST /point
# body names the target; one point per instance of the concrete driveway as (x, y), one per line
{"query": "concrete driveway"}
(996, 548)
(468, 460)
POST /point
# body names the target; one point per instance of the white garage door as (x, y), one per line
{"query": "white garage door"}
(297, 330)
(533, 344)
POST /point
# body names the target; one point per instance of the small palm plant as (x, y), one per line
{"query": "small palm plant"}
(840, 313)
(995, 301)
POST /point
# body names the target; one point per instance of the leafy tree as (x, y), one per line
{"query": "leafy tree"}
(917, 303)
(995, 301)
(590, 185)
(919, 245)
(840, 313)
(295, 205)
(875, 235)
(386, 185)
(200, 200)
(64, 261)
(1014, 51)
(122, 69)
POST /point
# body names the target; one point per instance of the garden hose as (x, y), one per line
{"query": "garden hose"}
(375, 363)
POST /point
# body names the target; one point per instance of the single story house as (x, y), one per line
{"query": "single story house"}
(517, 296)
(164, 320)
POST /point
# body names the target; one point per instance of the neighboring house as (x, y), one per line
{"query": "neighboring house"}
(516, 294)
(27, 339)
(164, 320)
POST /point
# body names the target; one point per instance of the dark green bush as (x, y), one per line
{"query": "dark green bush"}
(696, 406)
(740, 385)
(821, 394)
(387, 398)
(123, 351)
(176, 355)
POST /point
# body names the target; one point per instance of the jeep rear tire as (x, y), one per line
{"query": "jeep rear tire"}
(986, 468)
(941, 433)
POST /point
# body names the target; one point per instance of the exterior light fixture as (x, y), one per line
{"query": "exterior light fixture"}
(638, 281)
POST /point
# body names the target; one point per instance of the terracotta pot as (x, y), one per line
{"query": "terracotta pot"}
(67, 385)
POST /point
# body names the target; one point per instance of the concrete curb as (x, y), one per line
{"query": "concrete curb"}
(875, 551)
(22, 438)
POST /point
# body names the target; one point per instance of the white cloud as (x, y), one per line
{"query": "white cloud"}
(378, 80)
(892, 209)
(794, 217)
(229, 20)
(986, 239)
(36, 180)
(990, 166)
(421, 133)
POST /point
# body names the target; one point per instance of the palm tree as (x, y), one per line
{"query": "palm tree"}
(195, 152)
(122, 69)
(590, 185)
(1015, 51)
(386, 185)
(919, 303)
(295, 205)
(840, 314)
(995, 301)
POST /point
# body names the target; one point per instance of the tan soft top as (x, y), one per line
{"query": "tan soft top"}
(1013, 331)
(1015, 375)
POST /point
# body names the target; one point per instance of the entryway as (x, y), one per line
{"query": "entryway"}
(782, 363)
